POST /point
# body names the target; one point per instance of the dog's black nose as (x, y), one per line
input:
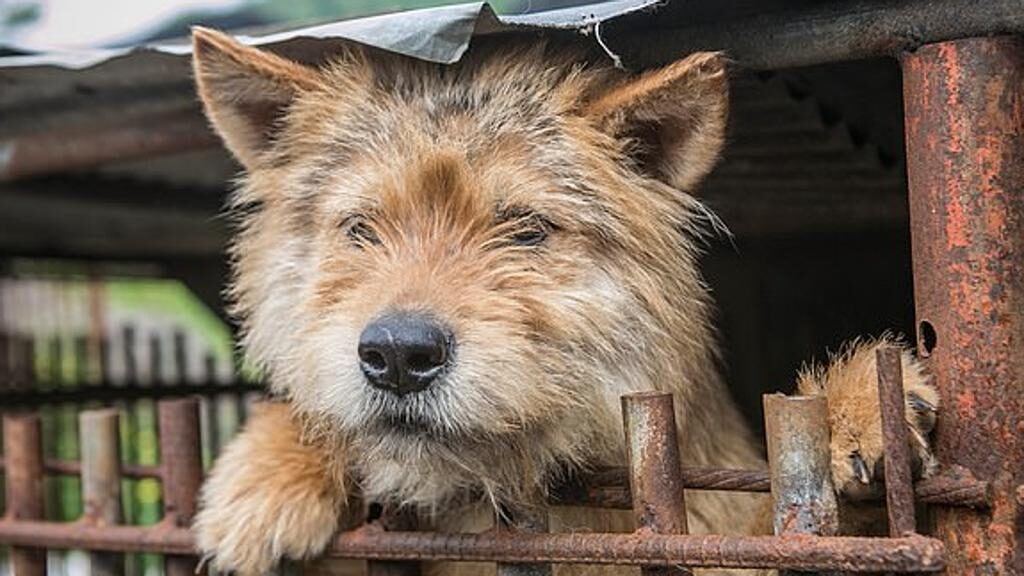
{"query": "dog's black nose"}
(404, 352)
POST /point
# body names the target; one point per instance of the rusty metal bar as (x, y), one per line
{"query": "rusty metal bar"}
(532, 520)
(829, 32)
(655, 481)
(101, 481)
(181, 469)
(803, 498)
(23, 448)
(74, 468)
(609, 488)
(395, 520)
(797, 552)
(964, 124)
(899, 484)
(955, 486)
(49, 152)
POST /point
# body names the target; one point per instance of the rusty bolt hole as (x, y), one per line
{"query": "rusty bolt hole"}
(927, 338)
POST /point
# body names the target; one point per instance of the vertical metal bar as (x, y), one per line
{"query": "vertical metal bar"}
(532, 520)
(964, 121)
(899, 485)
(23, 459)
(101, 481)
(397, 520)
(803, 498)
(655, 469)
(181, 470)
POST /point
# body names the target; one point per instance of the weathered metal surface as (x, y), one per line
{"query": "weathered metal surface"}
(74, 468)
(798, 551)
(955, 486)
(101, 481)
(803, 498)
(50, 152)
(181, 469)
(609, 488)
(964, 106)
(899, 483)
(23, 449)
(531, 520)
(652, 449)
(828, 32)
(397, 520)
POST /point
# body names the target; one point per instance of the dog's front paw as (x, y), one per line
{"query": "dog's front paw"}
(850, 382)
(268, 497)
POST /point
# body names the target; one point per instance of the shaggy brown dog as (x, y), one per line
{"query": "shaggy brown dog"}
(453, 273)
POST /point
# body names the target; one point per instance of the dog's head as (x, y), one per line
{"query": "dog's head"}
(462, 268)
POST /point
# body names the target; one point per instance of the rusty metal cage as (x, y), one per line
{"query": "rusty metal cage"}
(805, 509)
(964, 126)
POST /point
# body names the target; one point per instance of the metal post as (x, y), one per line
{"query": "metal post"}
(803, 498)
(964, 120)
(181, 470)
(23, 455)
(101, 481)
(655, 470)
(899, 487)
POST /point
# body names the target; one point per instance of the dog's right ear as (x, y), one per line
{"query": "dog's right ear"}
(245, 91)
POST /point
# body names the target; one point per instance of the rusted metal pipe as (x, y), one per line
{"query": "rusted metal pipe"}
(396, 520)
(797, 552)
(530, 520)
(828, 32)
(954, 486)
(652, 449)
(609, 488)
(101, 481)
(50, 152)
(23, 449)
(964, 121)
(181, 469)
(803, 498)
(74, 468)
(899, 485)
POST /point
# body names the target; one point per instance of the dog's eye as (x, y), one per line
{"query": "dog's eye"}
(532, 230)
(359, 231)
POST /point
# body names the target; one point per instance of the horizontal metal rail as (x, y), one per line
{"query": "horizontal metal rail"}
(797, 552)
(127, 391)
(827, 32)
(608, 488)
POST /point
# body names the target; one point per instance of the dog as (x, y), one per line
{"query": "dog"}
(451, 274)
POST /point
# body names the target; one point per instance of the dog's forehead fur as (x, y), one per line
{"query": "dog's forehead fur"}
(383, 132)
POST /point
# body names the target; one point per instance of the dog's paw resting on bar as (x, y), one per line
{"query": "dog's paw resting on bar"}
(272, 494)
(451, 274)
(850, 382)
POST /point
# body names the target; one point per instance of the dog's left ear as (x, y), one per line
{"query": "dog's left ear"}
(675, 117)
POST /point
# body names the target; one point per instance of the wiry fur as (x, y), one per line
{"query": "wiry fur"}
(444, 165)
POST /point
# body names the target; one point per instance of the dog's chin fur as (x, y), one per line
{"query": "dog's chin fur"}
(401, 455)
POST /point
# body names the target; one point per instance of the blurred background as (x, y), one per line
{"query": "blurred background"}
(111, 272)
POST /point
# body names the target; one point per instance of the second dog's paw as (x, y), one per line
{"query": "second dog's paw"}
(268, 497)
(850, 382)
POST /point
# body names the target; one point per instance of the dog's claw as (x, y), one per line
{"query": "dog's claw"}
(860, 469)
(920, 404)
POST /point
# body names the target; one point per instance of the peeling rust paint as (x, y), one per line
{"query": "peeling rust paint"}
(965, 163)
